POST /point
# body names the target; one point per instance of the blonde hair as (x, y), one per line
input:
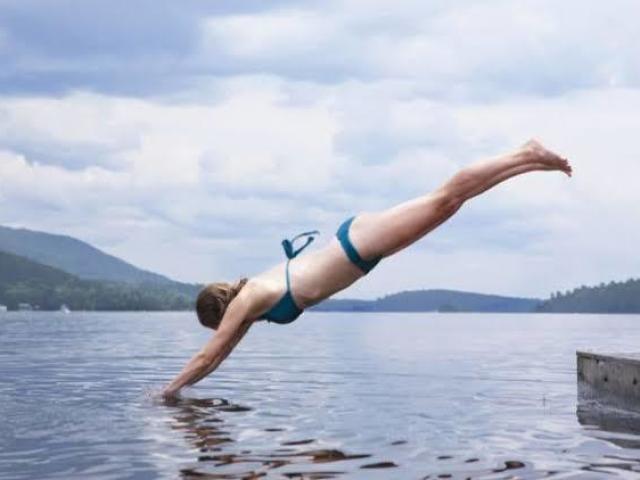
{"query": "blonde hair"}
(214, 299)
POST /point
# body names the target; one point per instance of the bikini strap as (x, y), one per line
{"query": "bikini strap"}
(287, 245)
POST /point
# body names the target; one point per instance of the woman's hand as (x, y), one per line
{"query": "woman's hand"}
(169, 393)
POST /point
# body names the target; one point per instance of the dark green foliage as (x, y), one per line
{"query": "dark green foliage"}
(25, 281)
(615, 297)
(15, 269)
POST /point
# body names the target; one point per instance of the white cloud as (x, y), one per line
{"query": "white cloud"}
(270, 34)
(205, 181)
(250, 139)
(463, 49)
(57, 187)
(241, 164)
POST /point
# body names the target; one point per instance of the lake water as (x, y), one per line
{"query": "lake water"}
(333, 395)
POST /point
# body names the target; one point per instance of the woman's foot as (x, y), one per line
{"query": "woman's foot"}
(536, 153)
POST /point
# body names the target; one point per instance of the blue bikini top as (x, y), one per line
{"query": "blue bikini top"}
(286, 310)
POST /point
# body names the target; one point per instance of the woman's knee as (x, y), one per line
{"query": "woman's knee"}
(461, 184)
(447, 201)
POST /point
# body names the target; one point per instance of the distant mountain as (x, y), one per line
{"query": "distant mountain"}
(24, 281)
(15, 269)
(452, 300)
(79, 258)
(434, 300)
(614, 297)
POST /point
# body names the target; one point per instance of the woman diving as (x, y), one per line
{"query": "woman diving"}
(282, 293)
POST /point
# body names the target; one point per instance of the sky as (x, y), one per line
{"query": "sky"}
(190, 137)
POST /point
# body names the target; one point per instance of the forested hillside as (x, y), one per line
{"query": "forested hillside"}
(614, 297)
(25, 281)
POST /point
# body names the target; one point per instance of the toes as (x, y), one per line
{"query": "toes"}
(568, 168)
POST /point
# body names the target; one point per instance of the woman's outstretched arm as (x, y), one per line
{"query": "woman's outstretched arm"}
(233, 327)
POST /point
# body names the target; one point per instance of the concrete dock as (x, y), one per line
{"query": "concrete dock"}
(610, 379)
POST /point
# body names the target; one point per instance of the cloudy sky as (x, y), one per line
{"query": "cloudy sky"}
(189, 137)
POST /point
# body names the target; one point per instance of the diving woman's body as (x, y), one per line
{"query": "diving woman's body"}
(360, 243)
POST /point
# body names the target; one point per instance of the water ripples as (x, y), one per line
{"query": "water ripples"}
(330, 396)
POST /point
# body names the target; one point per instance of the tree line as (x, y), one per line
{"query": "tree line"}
(613, 297)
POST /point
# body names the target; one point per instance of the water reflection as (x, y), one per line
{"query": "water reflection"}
(618, 428)
(611, 421)
(207, 426)
(203, 425)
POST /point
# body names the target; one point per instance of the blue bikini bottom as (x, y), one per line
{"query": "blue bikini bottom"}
(343, 236)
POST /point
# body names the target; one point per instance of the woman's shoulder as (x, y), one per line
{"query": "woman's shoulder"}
(261, 292)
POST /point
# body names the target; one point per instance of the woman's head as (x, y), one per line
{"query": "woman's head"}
(213, 301)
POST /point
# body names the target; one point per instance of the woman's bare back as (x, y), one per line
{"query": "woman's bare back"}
(314, 275)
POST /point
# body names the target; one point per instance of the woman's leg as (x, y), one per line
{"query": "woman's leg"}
(513, 172)
(386, 232)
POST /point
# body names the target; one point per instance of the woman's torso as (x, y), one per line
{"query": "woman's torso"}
(314, 276)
